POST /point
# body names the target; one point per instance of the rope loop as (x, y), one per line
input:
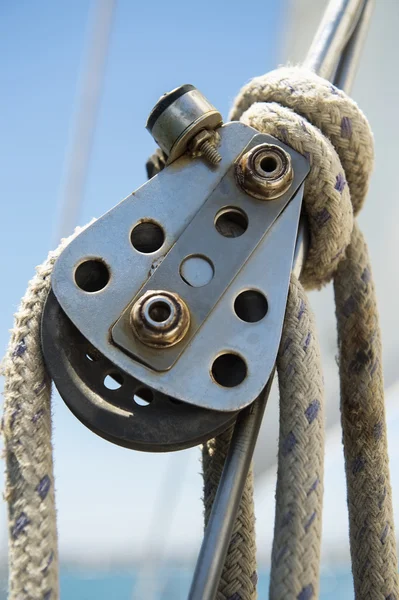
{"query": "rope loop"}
(321, 122)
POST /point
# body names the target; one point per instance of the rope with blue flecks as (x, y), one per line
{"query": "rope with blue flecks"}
(322, 123)
(26, 424)
(299, 493)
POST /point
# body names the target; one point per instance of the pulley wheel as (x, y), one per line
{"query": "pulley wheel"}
(114, 404)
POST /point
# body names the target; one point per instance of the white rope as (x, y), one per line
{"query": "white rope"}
(33, 552)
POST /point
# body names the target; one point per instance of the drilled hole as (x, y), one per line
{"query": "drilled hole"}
(250, 306)
(160, 311)
(229, 370)
(268, 164)
(147, 237)
(143, 397)
(113, 381)
(92, 275)
(231, 222)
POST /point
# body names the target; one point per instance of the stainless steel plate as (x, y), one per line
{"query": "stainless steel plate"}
(173, 199)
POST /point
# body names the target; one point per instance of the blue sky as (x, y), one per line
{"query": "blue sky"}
(106, 495)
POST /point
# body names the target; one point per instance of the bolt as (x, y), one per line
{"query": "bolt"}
(204, 144)
(210, 153)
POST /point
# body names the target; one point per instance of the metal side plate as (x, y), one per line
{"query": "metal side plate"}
(175, 199)
(225, 256)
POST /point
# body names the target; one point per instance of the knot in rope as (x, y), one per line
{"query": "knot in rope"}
(322, 123)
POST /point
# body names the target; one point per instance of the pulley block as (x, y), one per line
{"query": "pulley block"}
(165, 315)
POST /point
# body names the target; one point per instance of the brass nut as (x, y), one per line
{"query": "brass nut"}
(265, 172)
(160, 318)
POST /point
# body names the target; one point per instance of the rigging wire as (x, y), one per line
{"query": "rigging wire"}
(85, 120)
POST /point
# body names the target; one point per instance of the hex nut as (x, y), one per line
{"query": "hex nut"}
(265, 172)
(197, 141)
(203, 136)
(160, 318)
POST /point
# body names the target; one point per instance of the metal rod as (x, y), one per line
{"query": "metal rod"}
(334, 54)
(227, 500)
(347, 66)
(333, 34)
(84, 123)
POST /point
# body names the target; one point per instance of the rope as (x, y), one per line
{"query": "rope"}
(319, 121)
(33, 552)
(372, 535)
(299, 494)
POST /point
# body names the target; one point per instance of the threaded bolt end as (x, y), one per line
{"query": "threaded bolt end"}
(210, 153)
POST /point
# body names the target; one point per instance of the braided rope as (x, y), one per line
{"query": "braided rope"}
(299, 494)
(33, 552)
(337, 250)
(372, 535)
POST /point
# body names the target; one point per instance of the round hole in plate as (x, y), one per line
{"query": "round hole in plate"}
(229, 370)
(231, 222)
(250, 306)
(113, 381)
(147, 237)
(92, 275)
(197, 270)
(143, 397)
(268, 164)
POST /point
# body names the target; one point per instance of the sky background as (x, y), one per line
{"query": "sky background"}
(107, 496)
